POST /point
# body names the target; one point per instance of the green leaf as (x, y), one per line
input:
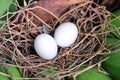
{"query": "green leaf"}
(113, 43)
(92, 74)
(117, 12)
(9, 70)
(14, 71)
(111, 40)
(3, 76)
(4, 5)
(115, 21)
(112, 64)
(11, 7)
(49, 70)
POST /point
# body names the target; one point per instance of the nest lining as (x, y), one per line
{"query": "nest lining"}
(91, 20)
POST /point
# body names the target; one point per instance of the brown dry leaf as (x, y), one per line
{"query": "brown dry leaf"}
(110, 5)
(57, 7)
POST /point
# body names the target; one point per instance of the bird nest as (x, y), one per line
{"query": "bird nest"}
(17, 40)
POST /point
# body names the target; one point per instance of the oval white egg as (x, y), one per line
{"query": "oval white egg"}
(66, 34)
(45, 46)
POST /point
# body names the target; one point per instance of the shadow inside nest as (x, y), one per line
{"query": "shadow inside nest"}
(91, 20)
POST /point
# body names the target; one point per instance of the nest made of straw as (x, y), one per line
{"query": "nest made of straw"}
(19, 32)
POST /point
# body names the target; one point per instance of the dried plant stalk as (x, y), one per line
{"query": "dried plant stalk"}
(91, 20)
(51, 9)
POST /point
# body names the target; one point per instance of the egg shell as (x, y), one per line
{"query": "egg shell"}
(45, 46)
(66, 34)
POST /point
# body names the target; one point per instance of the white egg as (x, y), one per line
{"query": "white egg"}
(66, 34)
(45, 46)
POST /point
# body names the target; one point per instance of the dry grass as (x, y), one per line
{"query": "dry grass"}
(19, 31)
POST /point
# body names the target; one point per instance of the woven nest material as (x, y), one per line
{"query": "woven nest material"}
(18, 39)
